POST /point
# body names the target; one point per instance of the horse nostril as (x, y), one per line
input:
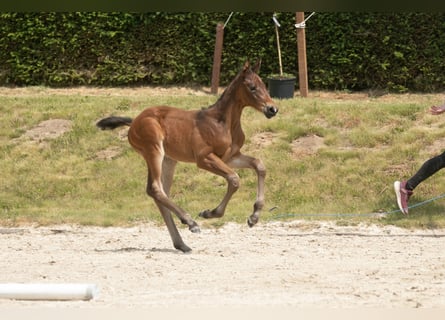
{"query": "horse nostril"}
(270, 111)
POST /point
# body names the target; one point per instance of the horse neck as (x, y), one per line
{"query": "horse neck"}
(229, 108)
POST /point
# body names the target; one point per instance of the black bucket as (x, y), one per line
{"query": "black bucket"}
(282, 88)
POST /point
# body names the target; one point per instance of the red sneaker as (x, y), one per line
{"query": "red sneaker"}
(402, 195)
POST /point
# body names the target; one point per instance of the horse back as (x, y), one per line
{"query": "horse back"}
(163, 127)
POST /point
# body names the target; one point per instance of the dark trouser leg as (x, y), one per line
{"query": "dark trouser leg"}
(429, 168)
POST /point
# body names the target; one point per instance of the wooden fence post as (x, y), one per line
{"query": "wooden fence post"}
(217, 57)
(302, 63)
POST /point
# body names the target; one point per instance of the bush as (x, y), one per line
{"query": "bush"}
(346, 51)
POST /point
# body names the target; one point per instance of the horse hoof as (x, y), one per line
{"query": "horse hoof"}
(251, 222)
(195, 229)
(183, 247)
(205, 214)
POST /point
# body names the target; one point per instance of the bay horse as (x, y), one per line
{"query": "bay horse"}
(211, 137)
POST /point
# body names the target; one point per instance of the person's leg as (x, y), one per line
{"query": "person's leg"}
(404, 189)
(429, 168)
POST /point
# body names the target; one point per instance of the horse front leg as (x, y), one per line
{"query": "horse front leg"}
(215, 165)
(246, 162)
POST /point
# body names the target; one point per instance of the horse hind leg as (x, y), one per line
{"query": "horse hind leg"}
(178, 243)
(157, 163)
(146, 137)
(168, 169)
(159, 188)
(155, 191)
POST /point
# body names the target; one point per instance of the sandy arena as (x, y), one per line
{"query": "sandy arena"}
(295, 264)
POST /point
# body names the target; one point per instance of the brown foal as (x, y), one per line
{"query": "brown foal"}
(211, 137)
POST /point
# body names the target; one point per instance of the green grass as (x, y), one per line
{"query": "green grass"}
(369, 143)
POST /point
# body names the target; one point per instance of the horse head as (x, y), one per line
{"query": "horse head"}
(255, 93)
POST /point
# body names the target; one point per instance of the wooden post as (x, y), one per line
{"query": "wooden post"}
(302, 64)
(217, 57)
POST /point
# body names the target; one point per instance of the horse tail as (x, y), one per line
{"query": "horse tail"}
(111, 123)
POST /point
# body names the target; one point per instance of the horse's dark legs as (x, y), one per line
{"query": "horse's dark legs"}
(218, 212)
(215, 165)
(240, 161)
(260, 170)
(168, 169)
(178, 243)
(247, 162)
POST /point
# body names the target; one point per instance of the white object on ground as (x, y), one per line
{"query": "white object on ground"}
(48, 291)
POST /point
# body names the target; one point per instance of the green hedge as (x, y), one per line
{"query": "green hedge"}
(346, 51)
(398, 52)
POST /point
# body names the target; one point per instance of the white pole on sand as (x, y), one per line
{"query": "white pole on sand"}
(48, 291)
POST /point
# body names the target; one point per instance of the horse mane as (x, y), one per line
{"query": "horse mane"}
(226, 92)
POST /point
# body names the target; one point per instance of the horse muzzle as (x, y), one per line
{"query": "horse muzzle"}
(270, 111)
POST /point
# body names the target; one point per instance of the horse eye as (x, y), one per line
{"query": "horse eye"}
(252, 88)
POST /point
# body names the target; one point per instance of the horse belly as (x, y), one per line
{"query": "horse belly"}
(179, 147)
(179, 155)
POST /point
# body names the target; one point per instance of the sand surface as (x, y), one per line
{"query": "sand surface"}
(276, 264)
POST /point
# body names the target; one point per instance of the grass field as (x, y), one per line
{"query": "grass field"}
(365, 143)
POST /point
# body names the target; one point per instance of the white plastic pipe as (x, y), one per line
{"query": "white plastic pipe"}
(48, 291)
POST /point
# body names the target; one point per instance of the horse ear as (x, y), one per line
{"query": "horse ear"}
(257, 66)
(246, 65)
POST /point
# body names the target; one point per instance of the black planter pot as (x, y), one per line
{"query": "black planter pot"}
(282, 88)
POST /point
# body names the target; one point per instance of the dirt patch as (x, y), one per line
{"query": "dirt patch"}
(262, 139)
(295, 264)
(113, 151)
(307, 146)
(49, 129)
(54, 128)
(109, 153)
